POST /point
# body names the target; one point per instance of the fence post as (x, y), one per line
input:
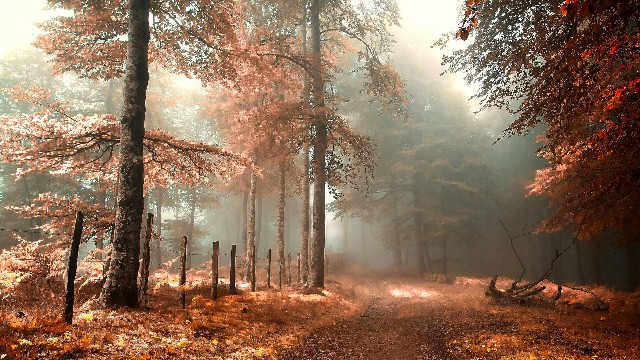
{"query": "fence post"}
(146, 259)
(72, 267)
(183, 271)
(253, 268)
(214, 269)
(289, 269)
(232, 271)
(269, 268)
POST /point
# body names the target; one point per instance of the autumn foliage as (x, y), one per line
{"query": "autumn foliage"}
(571, 67)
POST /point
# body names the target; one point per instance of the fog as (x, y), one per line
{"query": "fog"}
(444, 200)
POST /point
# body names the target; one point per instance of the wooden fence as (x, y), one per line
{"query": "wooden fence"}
(333, 261)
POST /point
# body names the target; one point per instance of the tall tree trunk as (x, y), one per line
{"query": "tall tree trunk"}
(306, 180)
(192, 224)
(280, 220)
(121, 286)
(316, 273)
(305, 223)
(251, 223)
(158, 219)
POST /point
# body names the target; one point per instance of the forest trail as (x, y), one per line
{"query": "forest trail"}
(411, 318)
(400, 320)
(359, 315)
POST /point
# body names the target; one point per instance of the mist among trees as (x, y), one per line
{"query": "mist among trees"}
(327, 131)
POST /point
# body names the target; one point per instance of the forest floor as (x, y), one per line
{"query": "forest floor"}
(357, 316)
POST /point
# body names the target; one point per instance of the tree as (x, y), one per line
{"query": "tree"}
(48, 139)
(570, 66)
(366, 25)
(189, 37)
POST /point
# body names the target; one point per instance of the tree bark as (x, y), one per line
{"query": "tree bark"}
(251, 223)
(306, 168)
(280, 220)
(305, 218)
(121, 286)
(146, 260)
(316, 273)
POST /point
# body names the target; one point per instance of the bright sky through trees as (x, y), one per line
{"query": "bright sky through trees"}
(19, 18)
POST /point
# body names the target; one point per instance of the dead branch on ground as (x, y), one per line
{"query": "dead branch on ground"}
(520, 292)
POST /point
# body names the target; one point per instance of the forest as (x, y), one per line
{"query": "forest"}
(320, 179)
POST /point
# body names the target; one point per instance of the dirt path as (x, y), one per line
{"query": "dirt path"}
(399, 321)
(415, 319)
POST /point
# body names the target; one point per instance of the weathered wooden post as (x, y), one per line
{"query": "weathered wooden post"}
(183, 271)
(253, 268)
(72, 267)
(269, 268)
(232, 271)
(214, 270)
(289, 269)
(146, 260)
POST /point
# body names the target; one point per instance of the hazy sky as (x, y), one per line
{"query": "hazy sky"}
(17, 26)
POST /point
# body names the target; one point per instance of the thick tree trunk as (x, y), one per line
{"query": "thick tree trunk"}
(251, 224)
(280, 221)
(121, 286)
(316, 273)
